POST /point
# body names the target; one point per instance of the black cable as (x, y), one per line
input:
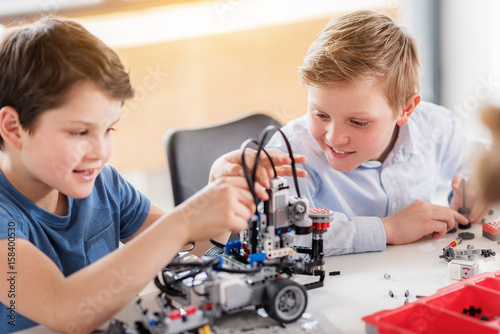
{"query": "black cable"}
(246, 172)
(239, 271)
(190, 248)
(294, 171)
(260, 147)
(271, 161)
(262, 142)
(217, 244)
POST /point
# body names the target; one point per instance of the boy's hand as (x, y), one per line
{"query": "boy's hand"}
(230, 164)
(418, 220)
(478, 208)
(223, 206)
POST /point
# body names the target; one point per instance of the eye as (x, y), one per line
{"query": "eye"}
(359, 124)
(79, 133)
(108, 131)
(321, 115)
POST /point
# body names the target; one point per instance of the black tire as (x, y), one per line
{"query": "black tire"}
(285, 300)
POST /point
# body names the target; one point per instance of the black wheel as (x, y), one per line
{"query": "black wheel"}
(285, 300)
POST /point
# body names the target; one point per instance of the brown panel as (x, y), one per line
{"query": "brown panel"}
(203, 80)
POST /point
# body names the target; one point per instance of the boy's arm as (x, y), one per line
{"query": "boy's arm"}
(200, 246)
(90, 296)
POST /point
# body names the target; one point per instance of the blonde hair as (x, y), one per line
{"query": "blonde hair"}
(364, 47)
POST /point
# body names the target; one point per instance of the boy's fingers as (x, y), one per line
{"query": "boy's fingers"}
(287, 171)
(459, 218)
(478, 213)
(261, 191)
(439, 224)
(300, 158)
(444, 215)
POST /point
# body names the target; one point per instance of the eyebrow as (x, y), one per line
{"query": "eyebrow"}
(358, 113)
(89, 124)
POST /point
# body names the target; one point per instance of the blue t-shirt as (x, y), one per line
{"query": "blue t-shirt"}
(92, 228)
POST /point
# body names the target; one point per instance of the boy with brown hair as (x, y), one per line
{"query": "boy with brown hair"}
(368, 161)
(63, 209)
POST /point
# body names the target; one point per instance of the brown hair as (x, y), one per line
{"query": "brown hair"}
(40, 63)
(364, 47)
(489, 164)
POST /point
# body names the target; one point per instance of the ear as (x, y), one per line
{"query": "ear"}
(411, 104)
(10, 126)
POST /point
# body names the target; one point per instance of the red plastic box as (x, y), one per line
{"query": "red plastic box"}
(443, 311)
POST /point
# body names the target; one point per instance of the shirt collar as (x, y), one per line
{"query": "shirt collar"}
(403, 147)
(402, 150)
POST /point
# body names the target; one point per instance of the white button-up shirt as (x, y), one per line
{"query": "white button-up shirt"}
(429, 149)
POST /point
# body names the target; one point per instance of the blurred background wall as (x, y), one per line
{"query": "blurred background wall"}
(199, 62)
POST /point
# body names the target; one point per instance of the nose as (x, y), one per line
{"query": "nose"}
(98, 148)
(337, 134)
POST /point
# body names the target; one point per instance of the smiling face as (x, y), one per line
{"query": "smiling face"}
(70, 144)
(352, 124)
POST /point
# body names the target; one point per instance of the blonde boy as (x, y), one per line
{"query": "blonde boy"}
(63, 210)
(367, 159)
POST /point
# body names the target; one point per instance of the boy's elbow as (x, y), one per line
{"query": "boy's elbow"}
(64, 319)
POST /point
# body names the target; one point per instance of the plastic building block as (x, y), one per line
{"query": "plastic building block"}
(449, 253)
(491, 231)
(461, 269)
(466, 235)
(456, 242)
(443, 311)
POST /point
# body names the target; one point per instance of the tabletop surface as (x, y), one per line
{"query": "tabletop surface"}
(361, 288)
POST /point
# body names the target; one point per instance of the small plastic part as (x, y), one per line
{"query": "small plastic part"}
(456, 242)
(462, 226)
(407, 301)
(117, 327)
(334, 273)
(387, 276)
(488, 252)
(461, 269)
(191, 309)
(407, 293)
(472, 311)
(391, 294)
(466, 235)
(175, 314)
(492, 231)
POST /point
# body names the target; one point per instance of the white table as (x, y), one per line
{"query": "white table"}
(361, 288)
